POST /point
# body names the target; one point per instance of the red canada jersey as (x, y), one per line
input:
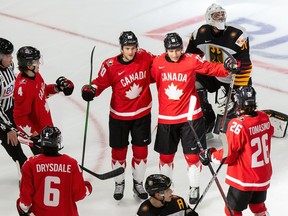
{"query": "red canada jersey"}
(249, 143)
(31, 110)
(175, 82)
(131, 96)
(52, 185)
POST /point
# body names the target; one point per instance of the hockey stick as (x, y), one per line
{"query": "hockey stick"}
(22, 138)
(189, 118)
(4, 126)
(230, 89)
(87, 109)
(105, 176)
(208, 187)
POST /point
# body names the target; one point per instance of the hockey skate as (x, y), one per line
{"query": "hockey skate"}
(194, 195)
(139, 191)
(119, 190)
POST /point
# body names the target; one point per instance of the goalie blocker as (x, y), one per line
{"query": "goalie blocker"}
(278, 120)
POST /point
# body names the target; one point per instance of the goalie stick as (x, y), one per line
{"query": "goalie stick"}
(87, 110)
(192, 104)
(106, 175)
(223, 122)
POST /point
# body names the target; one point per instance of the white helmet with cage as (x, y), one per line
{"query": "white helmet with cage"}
(216, 16)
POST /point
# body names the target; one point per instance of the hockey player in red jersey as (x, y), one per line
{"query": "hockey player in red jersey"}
(175, 74)
(248, 158)
(51, 182)
(31, 110)
(162, 201)
(207, 41)
(129, 76)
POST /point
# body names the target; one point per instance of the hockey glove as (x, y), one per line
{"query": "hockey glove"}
(229, 65)
(19, 209)
(205, 156)
(24, 140)
(36, 141)
(88, 92)
(65, 85)
(88, 188)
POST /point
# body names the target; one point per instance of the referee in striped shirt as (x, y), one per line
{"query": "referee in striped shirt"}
(8, 137)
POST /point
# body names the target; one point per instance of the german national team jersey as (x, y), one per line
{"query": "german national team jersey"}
(233, 39)
(131, 96)
(177, 207)
(31, 111)
(52, 185)
(248, 158)
(175, 82)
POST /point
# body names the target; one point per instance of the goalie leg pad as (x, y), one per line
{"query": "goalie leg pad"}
(279, 122)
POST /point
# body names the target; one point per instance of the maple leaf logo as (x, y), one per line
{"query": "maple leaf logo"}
(173, 92)
(134, 91)
(27, 130)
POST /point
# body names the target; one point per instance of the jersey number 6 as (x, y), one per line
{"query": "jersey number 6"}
(51, 195)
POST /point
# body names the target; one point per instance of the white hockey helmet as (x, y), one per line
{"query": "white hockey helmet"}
(219, 18)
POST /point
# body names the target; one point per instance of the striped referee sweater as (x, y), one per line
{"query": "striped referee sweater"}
(7, 80)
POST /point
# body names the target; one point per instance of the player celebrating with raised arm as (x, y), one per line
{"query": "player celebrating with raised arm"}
(31, 110)
(51, 182)
(175, 74)
(209, 40)
(129, 76)
(249, 163)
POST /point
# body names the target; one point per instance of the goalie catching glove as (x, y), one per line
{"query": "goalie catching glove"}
(88, 92)
(231, 66)
(65, 85)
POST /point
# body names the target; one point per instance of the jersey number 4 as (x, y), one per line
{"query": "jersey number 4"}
(51, 195)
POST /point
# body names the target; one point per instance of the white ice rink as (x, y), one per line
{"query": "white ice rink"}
(65, 32)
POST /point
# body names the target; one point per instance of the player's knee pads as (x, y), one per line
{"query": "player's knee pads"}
(258, 209)
(166, 159)
(140, 152)
(192, 159)
(119, 154)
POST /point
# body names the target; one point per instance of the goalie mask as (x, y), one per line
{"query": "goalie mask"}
(216, 16)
